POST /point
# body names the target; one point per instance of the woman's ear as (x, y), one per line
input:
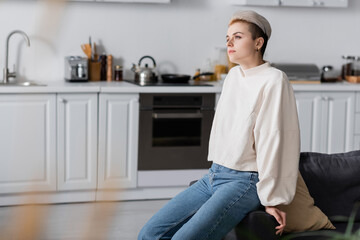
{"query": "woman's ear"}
(259, 42)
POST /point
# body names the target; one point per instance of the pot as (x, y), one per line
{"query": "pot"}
(175, 78)
(145, 74)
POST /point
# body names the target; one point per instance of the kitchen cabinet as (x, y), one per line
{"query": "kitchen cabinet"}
(256, 2)
(293, 3)
(123, 1)
(326, 121)
(77, 123)
(314, 3)
(357, 123)
(118, 140)
(136, 1)
(27, 143)
(357, 142)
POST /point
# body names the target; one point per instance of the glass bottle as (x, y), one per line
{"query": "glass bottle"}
(118, 73)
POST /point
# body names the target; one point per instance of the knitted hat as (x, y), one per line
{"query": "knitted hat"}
(255, 18)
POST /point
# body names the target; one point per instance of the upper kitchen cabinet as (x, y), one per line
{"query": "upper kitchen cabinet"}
(136, 1)
(27, 143)
(77, 141)
(293, 3)
(118, 140)
(314, 3)
(123, 1)
(256, 2)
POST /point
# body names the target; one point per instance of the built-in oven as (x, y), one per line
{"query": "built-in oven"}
(174, 133)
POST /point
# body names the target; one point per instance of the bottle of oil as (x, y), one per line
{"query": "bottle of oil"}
(118, 73)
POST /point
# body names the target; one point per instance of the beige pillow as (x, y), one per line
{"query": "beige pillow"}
(302, 214)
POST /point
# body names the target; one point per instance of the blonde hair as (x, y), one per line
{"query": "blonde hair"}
(255, 31)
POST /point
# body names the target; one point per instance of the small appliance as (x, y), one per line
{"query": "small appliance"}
(76, 69)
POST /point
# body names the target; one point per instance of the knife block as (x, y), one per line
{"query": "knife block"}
(94, 71)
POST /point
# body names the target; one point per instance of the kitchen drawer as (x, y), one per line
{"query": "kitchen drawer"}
(357, 104)
(357, 123)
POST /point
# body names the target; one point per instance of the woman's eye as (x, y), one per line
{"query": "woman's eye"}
(237, 37)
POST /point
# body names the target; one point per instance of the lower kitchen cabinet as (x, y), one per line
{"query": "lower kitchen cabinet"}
(118, 140)
(27, 143)
(326, 121)
(357, 142)
(77, 121)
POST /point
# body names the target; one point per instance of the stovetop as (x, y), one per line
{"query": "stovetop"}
(162, 84)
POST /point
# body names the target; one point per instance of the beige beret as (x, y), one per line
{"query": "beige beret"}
(253, 17)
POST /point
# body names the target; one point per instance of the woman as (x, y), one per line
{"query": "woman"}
(254, 145)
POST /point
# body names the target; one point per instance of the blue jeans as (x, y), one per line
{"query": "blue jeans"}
(208, 209)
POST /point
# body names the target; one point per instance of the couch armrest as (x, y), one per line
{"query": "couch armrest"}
(257, 225)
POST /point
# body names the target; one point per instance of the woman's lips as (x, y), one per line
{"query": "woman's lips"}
(231, 51)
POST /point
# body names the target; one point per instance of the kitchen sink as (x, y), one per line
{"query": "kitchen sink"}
(21, 84)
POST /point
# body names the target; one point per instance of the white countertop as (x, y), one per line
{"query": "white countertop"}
(125, 87)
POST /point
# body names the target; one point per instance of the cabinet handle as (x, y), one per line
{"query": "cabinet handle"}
(62, 100)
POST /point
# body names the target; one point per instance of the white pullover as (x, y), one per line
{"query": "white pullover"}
(256, 128)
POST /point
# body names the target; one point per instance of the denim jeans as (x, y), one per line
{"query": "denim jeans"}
(208, 209)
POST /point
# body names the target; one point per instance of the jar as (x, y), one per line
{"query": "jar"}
(355, 70)
(346, 69)
(118, 73)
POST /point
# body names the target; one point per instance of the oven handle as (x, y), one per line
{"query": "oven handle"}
(176, 115)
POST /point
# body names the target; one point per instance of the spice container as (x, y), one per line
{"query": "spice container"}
(118, 73)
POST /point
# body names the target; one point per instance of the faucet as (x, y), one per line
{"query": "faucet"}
(6, 73)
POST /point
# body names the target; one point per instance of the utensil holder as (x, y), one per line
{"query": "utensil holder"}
(94, 71)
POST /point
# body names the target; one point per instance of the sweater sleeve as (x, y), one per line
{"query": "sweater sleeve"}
(277, 144)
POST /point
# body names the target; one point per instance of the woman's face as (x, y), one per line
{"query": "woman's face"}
(240, 45)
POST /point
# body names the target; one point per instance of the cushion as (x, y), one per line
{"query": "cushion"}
(302, 214)
(333, 181)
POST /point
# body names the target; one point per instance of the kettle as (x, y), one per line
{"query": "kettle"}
(144, 75)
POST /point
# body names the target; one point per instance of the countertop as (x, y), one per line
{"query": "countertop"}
(125, 87)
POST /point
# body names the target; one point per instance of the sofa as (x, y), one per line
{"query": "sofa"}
(333, 181)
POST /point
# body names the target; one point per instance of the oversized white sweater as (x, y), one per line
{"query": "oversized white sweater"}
(256, 128)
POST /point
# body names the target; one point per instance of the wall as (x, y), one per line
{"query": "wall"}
(180, 36)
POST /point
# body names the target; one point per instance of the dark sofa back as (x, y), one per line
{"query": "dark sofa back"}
(333, 181)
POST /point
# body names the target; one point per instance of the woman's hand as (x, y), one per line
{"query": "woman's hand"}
(280, 217)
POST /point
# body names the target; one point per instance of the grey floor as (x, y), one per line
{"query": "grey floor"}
(105, 220)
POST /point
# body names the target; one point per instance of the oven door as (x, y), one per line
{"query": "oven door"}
(172, 139)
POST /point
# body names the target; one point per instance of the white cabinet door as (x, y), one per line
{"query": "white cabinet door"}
(338, 113)
(314, 3)
(118, 140)
(309, 112)
(123, 1)
(77, 141)
(136, 1)
(256, 2)
(326, 121)
(357, 143)
(27, 142)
